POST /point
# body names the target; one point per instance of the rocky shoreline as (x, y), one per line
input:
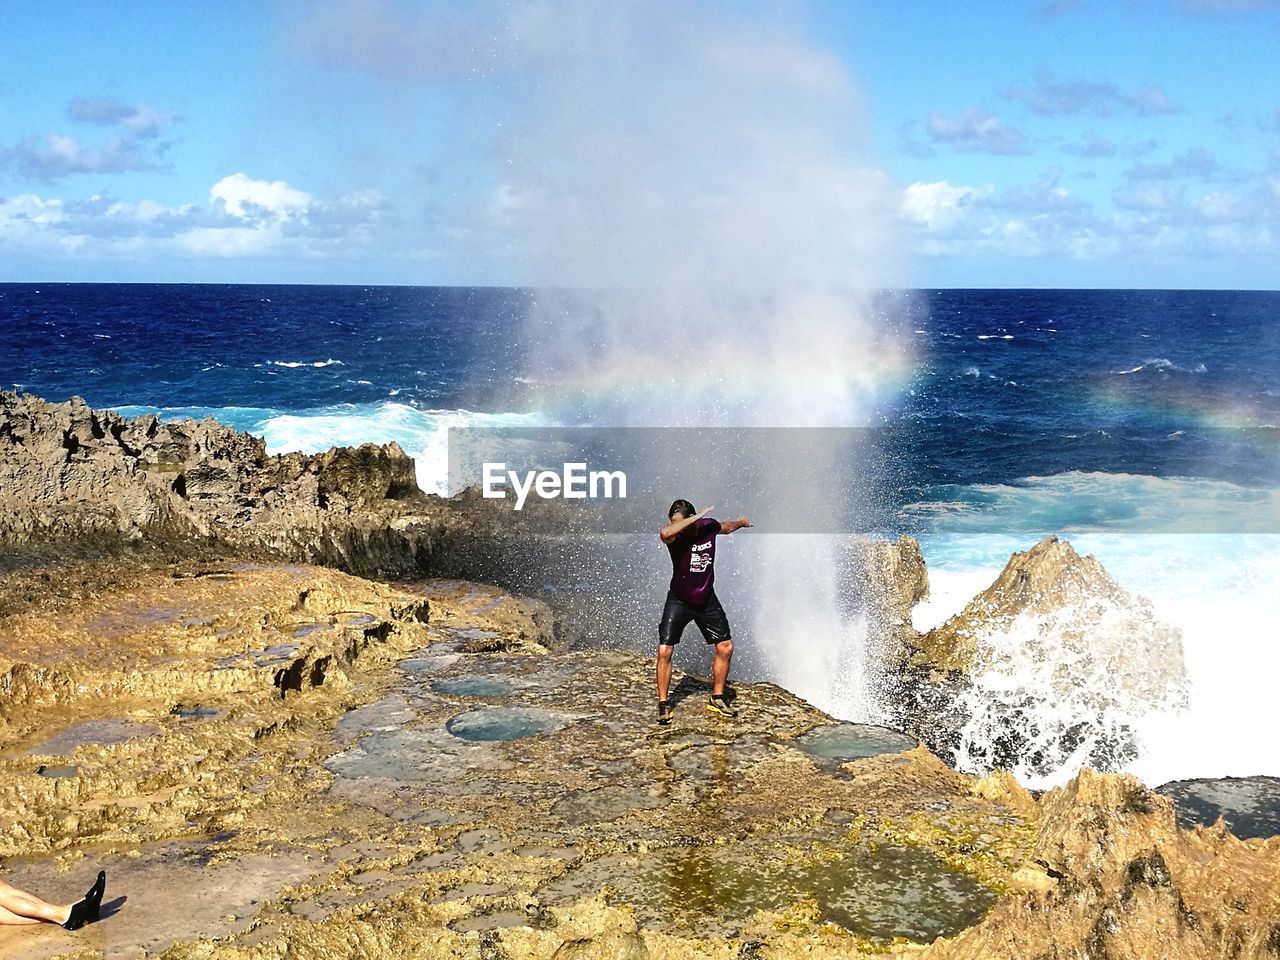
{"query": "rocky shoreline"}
(255, 691)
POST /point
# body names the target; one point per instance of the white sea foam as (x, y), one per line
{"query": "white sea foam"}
(302, 363)
(422, 434)
(1162, 365)
(995, 336)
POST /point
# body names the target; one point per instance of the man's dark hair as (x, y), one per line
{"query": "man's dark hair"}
(682, 507)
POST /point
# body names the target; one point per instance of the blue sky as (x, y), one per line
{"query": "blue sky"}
(1052, 144)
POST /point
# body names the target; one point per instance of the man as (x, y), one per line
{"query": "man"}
(691, 539)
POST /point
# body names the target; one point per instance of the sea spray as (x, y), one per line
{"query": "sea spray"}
(695, 196)
(1053, 692)
(1045, 708)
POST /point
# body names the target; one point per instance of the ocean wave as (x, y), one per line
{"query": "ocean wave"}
(301, 363)
(422, 434)
(995, 336)
(1162, 365)
(1093, 502)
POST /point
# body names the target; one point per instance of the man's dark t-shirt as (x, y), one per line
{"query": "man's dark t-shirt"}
(693, 555)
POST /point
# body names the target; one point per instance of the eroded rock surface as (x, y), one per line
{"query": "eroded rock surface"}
(1128, 883)
(884, 580)
(177, 733)
(71, 476)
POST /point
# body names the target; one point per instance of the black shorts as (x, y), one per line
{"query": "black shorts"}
(676, 614)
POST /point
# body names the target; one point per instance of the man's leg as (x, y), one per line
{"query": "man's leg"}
(714, 624)
(675, 617)
(720, 666)
(664, 670)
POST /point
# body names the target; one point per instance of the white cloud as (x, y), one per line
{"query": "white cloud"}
(1091, 147)
(1149, 197)
(246, 199)
(974, 131)
(56, 155)
(27, 208)
(144, 210)
(1197, 163)
(229, 241)
(141, 121)
(1051, 97)
(938, 206)
(29, 222)
(1224, 206)
(1147, 220)
(242, 217)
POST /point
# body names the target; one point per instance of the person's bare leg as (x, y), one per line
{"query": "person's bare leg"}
(8, 919)
(28, 908)
(720, 666)
(664, 670)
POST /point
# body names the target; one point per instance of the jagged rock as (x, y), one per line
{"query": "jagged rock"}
(1131, 885)
(70, 474)
(1047, 668)
(884, 580)
(1067, 592)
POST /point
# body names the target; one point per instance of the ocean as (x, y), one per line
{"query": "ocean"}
(1142, 425)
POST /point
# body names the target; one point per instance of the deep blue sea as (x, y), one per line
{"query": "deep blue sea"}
(1007, 383)
(1144, 425)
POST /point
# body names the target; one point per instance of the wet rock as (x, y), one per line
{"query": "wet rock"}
(91, 733)
(487, 688)
(884, 580)
(713, 891)
(1129, 883)
(1076, 595)
(1050, 667)
(1250, 806)
(852, 741)
(504, 723)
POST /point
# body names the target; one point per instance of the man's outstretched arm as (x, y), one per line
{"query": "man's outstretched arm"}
(728, 526)
(675, 527)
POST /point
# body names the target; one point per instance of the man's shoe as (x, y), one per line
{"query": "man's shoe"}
(721, 706)
(665, 712)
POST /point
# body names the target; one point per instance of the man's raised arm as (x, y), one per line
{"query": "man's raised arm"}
(675, 527)
(728, 526)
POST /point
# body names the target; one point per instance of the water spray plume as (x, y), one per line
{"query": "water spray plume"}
(700, 203)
